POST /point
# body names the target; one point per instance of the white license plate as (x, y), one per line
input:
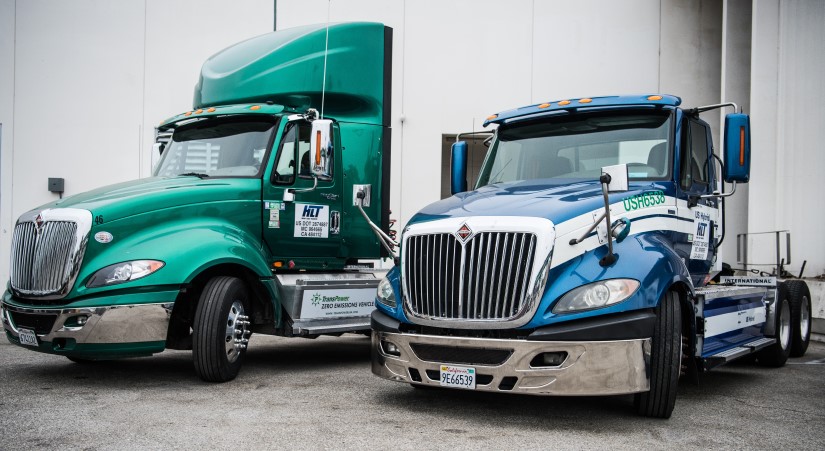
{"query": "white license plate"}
(458, 377)
(27, 337)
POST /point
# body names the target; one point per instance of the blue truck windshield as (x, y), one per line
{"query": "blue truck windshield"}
(217, 149)
(578, 146)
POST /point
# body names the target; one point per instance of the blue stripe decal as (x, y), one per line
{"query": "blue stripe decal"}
(732, 339)
(733, 308)
(641, 218)
(662, 216)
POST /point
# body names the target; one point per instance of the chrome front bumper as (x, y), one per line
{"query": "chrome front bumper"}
(103, 325)
(591, 368)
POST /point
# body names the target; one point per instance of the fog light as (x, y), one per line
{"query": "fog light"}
(548, 359)
(390, 348)
(76, 321)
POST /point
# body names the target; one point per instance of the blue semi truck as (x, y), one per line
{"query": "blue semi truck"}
(580, 263)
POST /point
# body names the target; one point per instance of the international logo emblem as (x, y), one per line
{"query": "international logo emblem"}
(38, 224)
(463, 232)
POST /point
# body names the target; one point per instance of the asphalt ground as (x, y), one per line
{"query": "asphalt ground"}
(320, 394)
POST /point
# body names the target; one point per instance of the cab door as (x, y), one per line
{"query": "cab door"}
(302, 227)
(697, 178)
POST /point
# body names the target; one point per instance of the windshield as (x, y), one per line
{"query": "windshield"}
(217, 148)
(577, 147)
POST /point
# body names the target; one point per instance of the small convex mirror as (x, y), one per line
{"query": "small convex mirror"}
(618, 177)
(322, 148)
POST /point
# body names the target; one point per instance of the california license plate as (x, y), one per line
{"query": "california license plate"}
(458, 377)
(27, 337)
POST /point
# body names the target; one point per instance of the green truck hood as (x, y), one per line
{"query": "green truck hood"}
(131, 198)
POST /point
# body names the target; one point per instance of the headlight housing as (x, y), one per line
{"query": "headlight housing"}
(385, 294)
(123, 272)
(596, 295)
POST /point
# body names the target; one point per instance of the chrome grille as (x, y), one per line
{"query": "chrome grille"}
(41, 262)
(485, 279)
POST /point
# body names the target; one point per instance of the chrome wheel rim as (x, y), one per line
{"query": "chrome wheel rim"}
(237, 332)
(785, 326)
(804, 317)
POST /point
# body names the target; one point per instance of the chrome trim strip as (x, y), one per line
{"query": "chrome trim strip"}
(591, 368)
(132, 323)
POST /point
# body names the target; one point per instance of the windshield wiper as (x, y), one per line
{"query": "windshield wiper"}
(194, 174)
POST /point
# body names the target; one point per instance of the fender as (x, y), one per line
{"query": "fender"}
(647, 257)
(187, 248)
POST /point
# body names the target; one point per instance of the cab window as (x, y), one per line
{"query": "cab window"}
(695, 157)
(293, 154)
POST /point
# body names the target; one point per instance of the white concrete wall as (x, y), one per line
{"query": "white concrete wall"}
(457, 62)
(736, 87)
(787, 97)
(83, 84)
(7, 57)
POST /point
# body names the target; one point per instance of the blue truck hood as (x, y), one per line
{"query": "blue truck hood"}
(556, 200)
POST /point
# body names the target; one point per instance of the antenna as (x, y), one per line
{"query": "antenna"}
(326, 50)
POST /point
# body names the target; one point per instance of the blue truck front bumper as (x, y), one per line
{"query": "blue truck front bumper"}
(605, 364)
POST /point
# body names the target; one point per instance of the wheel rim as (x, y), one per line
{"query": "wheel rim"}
(237, 332)
(804, 317)
(785, 325)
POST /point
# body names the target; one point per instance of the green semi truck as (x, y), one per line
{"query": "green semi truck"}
(268, 212)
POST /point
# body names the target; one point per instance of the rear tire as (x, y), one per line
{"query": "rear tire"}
(221, 329)
(777, 354)
(799, 297)
(665, 360)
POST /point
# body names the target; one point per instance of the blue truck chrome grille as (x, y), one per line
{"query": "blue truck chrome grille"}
(41, 256)
(486, 278)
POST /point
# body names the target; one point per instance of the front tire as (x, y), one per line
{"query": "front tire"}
(665, 360)
(221, 329)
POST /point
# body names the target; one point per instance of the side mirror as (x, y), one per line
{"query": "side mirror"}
(322, 147)
(737, 148)
(157, 151)
(458, 167)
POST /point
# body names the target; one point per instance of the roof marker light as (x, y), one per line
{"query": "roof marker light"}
(210, 110)
(199, 111)
(544, 105)
(491, 117)
(654, 98)
(188, 113)
(255, 107)
(564, 102)
(585, 100)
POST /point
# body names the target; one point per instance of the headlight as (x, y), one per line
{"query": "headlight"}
(596, 295)
(385, 294)
(123, 272)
